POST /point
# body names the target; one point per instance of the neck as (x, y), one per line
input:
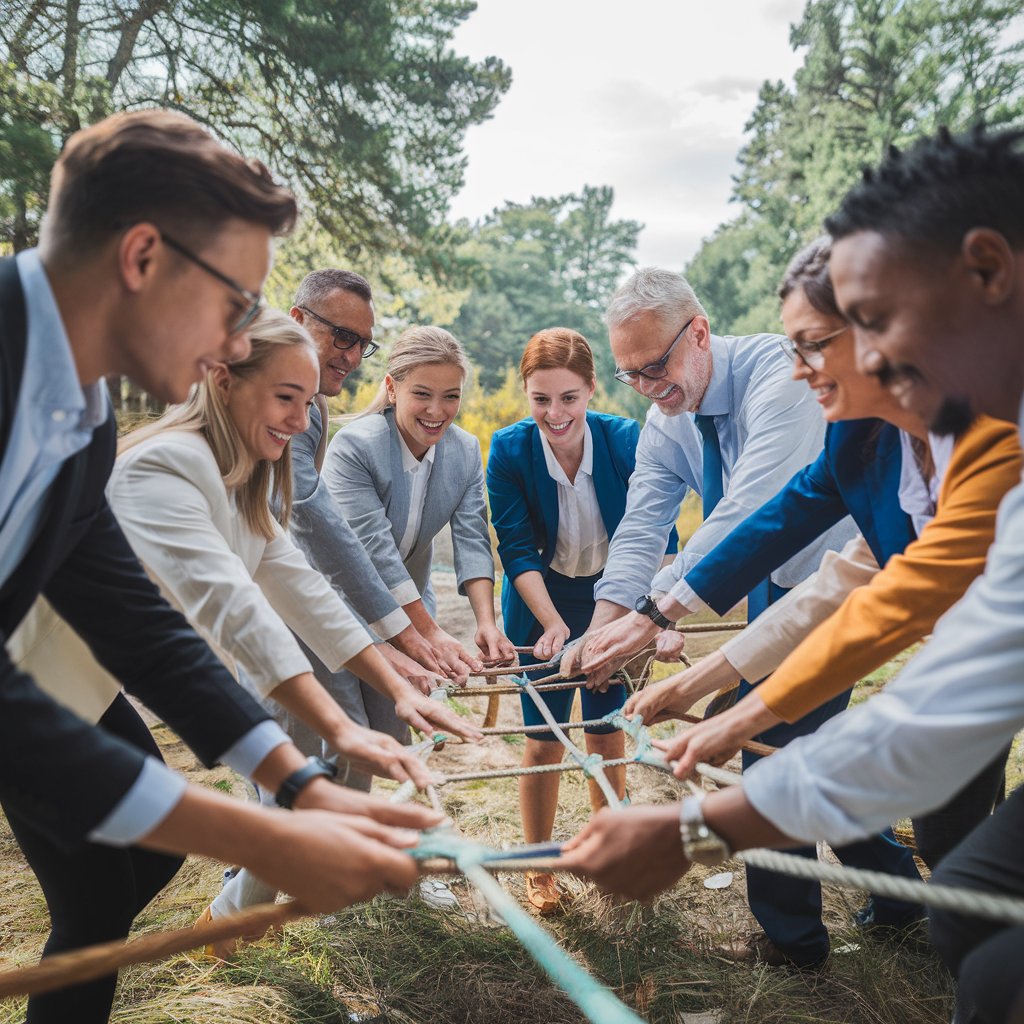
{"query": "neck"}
(570, 460)
(908, 421)
(83, 301)
(418, 450)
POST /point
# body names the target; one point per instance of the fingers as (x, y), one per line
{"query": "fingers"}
(406, 816)
(447, 721)
(475, 664)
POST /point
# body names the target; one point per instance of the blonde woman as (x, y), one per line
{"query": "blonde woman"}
(202, 494)
(401, 471)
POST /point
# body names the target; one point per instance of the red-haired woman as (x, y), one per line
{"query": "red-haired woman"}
(557, 486)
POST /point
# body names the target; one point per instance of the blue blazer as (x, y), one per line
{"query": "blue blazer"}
(524, 501)
(857, 474)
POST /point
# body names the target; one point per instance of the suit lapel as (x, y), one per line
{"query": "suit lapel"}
(438, 500)
(611, 496)
(398, 507)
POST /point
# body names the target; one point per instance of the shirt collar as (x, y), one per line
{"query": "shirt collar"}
(409, 461)
(58, 389)
(555, 470)
(716, 400)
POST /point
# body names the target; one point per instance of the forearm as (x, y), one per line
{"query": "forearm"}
(605, 612)
(532, 589)
(731, 815)
(305, 698)
(480, 592)
(420, 617)
(709, 675)
(370, 666)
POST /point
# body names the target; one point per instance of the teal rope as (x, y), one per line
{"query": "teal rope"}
(597, 1003)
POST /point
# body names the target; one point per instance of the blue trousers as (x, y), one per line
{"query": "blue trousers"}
(789, 909)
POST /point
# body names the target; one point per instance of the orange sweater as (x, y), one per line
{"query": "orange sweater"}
(903, 601)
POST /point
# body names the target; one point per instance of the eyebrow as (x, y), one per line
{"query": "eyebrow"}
(288, 384)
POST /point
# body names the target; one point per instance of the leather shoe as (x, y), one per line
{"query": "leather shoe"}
(542, 892)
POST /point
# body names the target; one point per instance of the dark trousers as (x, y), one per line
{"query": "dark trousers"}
(789, 909)
(93, 892)
(985, 956)
(937, 833)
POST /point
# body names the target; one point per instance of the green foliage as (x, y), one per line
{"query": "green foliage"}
(875, 73)
(361, 105)
(552, 262)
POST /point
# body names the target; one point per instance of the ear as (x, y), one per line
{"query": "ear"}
(297, 315)
(389, 384)
(593, 388)
(138, 255)
(222, 379)
(700, 331)
(991, 264)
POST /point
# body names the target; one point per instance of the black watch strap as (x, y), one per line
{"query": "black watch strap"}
(293, 785)
(646, 605)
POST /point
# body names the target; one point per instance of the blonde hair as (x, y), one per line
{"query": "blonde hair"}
(418, 346)
(260, 484)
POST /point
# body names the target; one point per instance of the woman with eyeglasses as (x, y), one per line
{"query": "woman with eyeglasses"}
(926, 508)
(557, 485)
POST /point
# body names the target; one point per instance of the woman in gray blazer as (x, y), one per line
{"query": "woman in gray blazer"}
(401, 471)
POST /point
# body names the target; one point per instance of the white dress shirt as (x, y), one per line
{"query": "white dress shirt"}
(581, 548)
(418, 473)
(769, 427)
(937, 724)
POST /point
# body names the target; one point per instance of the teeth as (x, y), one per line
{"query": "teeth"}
(663, 394)
(431, 426)
(278, 434)
(559, 427)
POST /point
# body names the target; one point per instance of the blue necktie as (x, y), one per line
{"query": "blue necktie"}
(712, 489)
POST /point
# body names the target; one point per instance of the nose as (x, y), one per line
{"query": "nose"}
(801, 371)
(648, 387)
(870, 361)
(237, 347)
(301, 419)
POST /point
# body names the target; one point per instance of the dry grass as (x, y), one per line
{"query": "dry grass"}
(400, 961)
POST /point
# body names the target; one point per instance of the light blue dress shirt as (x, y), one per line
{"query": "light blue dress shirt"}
(769, 427)
(54, 419)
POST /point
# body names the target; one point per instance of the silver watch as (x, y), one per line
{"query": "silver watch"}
(700, 844)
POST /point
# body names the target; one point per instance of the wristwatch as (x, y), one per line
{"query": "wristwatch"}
(700, 844)
(646, 605)
(294, 784)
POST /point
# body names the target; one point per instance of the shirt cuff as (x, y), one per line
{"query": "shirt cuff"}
(245, 756)
(687, 597)
(154, 794)
(665, 579)
(405, 593)
(391, 624)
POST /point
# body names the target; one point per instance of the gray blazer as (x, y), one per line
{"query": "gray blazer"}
(364, 475)
(330, 544)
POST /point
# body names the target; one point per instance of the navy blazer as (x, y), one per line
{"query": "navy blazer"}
(59, 773)
(857, 474)
(524, 501)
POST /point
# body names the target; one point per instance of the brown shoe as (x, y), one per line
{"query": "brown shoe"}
(543, 892)
(759, 949)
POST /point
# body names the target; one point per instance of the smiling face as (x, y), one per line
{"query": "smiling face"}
(425, 403)
(940, 332)
(344, 309)
(270, 405)
(177, 322)
(558, 404)
(644, 339)
(842, 391)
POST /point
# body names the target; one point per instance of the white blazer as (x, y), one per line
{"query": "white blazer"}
(242, 593)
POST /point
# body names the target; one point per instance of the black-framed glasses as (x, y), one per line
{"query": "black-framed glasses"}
(344, 338)
(811, 353)
(653, 371)
(253, 300)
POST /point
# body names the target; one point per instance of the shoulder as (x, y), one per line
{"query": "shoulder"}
(185, 452)
(514, 437)
(615, 428)
(987, 444)
(357, 435)
(458, 439)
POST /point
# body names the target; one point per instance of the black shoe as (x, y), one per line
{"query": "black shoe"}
(759, 949)
(911, 931)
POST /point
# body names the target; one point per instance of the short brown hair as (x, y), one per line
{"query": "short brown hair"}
(159, 166)
(557, 348)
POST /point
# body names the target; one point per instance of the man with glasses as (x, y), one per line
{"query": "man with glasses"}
(728, 422)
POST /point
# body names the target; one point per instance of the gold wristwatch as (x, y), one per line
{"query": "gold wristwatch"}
(700, 844)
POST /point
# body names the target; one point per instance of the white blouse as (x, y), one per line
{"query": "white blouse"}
(418, 473)
(582, 545)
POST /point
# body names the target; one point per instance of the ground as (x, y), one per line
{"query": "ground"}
(397, 960)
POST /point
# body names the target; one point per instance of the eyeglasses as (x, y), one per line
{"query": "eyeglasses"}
(811, 353)
(344, 338)
(653, 371)
(253, 301)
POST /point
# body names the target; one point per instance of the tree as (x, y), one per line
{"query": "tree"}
(875, 73)
(361, 105)
(552, 262)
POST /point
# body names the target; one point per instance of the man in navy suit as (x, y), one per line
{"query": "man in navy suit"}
(151, 260)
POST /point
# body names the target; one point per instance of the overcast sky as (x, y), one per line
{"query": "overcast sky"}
(648, 96)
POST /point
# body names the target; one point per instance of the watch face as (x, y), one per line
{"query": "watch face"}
(644, 604)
